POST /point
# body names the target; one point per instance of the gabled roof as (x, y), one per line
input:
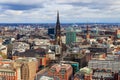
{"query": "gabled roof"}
(31, 53)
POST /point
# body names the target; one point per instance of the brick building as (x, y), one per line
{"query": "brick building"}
(63, 71)
(7, 71)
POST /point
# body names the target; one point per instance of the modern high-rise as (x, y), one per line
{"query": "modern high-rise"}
(70, 36)
(58, 40)
(51, 32)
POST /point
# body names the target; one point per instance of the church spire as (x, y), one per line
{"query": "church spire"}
(58, 21)
(58, 31)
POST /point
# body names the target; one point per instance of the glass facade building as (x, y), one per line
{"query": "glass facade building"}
(70, 36)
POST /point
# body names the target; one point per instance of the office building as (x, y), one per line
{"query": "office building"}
(51, 32)
(70, 36)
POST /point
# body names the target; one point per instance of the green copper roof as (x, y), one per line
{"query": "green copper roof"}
(86, 70)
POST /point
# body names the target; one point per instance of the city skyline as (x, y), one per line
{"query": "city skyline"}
(74, 11)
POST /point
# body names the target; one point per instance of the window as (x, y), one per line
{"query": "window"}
(53, 70)
(63, 71)
(25, 72)
(62, 76)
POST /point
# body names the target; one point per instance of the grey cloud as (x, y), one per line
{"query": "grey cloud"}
(16, 6)
(91, 5)
(44, 10)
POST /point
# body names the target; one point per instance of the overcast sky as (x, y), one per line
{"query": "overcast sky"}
(44, 11)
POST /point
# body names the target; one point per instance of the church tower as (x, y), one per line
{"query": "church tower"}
(88, 34)
(58, 40)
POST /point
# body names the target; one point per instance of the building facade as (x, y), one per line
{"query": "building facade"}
(51, 32)
(7, 71)
(104, 64)
(63, 71)
(70, 36)
(26, 68)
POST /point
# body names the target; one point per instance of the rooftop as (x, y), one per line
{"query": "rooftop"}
(31, 53)
(86, 70)
(46, 78)
(28, 59)
(103, 74)
(58, 67)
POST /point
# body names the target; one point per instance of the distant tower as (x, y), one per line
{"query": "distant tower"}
(58, 40)
(87, 29)
(96, 30)
(87, 35)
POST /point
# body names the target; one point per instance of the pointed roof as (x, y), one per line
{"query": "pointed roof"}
(58, 21)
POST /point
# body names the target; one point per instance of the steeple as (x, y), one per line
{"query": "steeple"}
(87, 29)
(58, 21)
(87, 34)
(58, 31)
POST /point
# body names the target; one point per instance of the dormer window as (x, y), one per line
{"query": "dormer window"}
(63, 71)
(53, 70)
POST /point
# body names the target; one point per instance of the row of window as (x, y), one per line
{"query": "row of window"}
(7, 73)
(62, 71)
